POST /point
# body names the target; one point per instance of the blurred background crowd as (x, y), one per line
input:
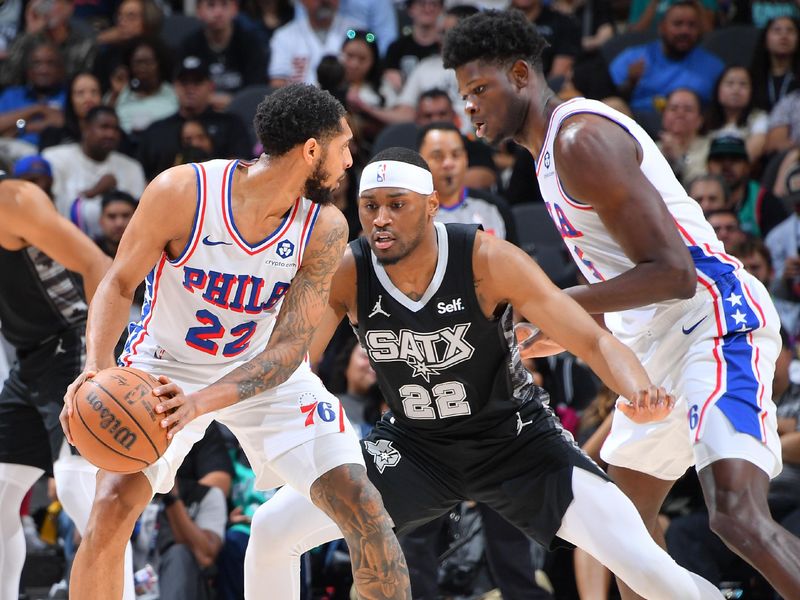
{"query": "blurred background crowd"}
(99, 96)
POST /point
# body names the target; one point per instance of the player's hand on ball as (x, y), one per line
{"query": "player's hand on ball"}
(178, 409)
(69, 402)
(648, 405)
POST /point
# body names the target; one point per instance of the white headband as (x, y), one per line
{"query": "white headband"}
(396, 174)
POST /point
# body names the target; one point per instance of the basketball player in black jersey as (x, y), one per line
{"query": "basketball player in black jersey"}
(432, 306)
(43, 316)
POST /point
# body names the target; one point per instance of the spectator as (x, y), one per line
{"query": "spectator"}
(646, 15)
(49, 21)
(680, 140)
(26, 110)
(263, 17)
(710, 191)
(775, 64)
(297, 47)
(229, 50)
(146, 95)
(430, 74)
(443, 148)
(159, 144)
(377, 16)
(84, 171)
(117, 208)
(783, 244)
(362, 75)
(731, 111)
(758, 213)
(135, 19)
(784, 124)
(595, 21)
(405, 53)
(36, 170)
(559, 30)
(434, 106)
(646, 74)
(726, 226)
(83, 94)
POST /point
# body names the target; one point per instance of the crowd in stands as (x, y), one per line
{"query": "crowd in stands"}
(97, 97)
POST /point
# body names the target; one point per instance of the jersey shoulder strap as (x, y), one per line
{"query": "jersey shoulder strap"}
(363, 257)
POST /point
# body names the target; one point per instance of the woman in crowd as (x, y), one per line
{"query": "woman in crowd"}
(142, 93)
(83, 94)
(732, 111)
(681, 140)
(362, 75)
(776, 61)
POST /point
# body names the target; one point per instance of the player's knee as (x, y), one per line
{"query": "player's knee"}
(270, 537)
(733, 513)
(117, 505)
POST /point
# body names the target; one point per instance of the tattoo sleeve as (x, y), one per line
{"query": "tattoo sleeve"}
(300, 313)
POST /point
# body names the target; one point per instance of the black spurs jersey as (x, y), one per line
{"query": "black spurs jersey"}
(442, 366)
(38, 297)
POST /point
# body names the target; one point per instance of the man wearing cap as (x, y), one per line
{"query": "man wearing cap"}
(161, 142)
(36, 170)
(758, 212)
(432, 306)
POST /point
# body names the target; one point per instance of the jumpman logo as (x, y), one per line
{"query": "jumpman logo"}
(377, 310)
(60, 347)
(521, 423)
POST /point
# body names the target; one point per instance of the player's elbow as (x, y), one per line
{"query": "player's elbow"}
(682, 281)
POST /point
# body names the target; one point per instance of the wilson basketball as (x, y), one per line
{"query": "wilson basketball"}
(114, 423)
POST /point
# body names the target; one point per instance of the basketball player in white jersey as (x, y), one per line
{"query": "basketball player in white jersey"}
(240, 259)
(700, 324)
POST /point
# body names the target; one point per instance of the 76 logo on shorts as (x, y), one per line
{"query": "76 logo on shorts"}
(315, 408)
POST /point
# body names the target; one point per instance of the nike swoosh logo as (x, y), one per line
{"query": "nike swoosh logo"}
(693, 327)
(208, 242)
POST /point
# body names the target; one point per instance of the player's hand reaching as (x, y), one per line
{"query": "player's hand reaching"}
(178, 408)
(69, 401)
(648, 405)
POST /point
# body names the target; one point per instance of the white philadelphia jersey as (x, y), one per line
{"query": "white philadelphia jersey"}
(218, 301)
(594, 250)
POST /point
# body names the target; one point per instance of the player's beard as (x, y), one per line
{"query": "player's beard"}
(315, 188)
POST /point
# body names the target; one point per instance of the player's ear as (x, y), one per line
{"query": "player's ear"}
(312, 149)
(520, 73)
(433, 204)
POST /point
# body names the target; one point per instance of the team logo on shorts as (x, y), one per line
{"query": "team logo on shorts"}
(285, 249)
(313, 409)
(384, 453)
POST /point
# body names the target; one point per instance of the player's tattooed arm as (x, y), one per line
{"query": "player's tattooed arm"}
(379, 568)
(300, 314)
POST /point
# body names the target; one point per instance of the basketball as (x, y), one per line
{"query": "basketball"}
(114, 423)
